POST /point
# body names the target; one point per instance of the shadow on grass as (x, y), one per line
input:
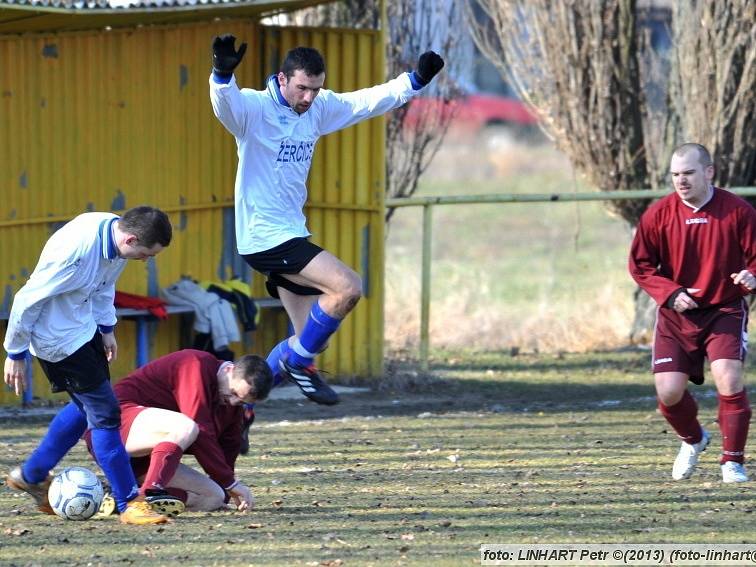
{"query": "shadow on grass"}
(482, 382)
(631, 360)
(496, 383)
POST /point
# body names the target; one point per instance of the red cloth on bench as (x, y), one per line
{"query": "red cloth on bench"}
(154, 305)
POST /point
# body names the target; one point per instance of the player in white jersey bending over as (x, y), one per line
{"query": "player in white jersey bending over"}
(276, 130)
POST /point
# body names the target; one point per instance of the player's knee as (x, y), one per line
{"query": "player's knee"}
(187, 434)
(352, 292)
(213, 499)
(730, 384)
(669, 396)
(105, 417)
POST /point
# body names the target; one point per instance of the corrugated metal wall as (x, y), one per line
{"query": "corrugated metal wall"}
(111, 119)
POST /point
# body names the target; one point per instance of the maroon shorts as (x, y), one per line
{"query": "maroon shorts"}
(683, 340)
(129, 411)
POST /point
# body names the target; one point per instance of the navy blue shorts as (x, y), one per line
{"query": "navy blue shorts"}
(85, 375)
(82, 371)
(291, 257)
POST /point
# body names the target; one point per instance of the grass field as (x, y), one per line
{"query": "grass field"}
(561, 443)
(495, 449)
(536, 276)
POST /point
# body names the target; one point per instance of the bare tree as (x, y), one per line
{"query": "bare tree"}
(362, 14)
(414, 132)
(584, 67)
(576, 65)
(714, 82)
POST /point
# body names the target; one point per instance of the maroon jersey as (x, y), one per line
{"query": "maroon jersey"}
(676, 247)
(187, 382)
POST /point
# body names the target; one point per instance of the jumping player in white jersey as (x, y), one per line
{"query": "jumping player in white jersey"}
(276, 130)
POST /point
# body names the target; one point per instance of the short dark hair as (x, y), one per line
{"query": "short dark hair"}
(304, 59)
(255, 371)
(150, 225)
(704, 157)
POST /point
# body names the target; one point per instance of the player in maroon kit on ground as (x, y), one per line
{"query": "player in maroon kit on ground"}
(694, 253)
(189, 402)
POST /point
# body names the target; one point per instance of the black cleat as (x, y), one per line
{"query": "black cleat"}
(163, 503)
(309, 381)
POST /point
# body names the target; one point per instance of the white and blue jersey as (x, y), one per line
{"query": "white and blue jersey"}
(275, 147)
(69, 293)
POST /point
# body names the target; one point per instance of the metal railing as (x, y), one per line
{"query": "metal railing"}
(427, 203)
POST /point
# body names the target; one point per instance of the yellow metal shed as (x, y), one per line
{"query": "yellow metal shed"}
(105, 109)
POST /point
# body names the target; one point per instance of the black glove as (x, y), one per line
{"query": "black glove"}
(428, 66)
(225, 56)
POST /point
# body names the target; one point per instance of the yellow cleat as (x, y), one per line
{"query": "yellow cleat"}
(140, 513)
(107, 506)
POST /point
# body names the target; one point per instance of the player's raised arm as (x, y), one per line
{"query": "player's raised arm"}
(345, 109)
(227, 101)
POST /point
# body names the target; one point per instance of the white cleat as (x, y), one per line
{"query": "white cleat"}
(733, 472)
(687, 458)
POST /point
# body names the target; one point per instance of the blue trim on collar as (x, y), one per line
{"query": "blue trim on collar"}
(109, 248)
(275, 90)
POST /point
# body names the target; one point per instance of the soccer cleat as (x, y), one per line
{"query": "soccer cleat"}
(140, 513)
(15, 480)
(164, 503)
(107, 506)
(309, 381)
(733, 472)
(687, 457)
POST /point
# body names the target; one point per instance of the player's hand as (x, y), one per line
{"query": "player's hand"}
(111, 348)
(15, 374)
(684, 301)
(428, 66)
(242, 497)
(744, 278)
(225, 55)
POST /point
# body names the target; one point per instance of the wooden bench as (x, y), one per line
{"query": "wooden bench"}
(141, 318)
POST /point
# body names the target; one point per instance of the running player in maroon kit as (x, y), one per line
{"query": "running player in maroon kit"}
(694, 253)
(189, 402)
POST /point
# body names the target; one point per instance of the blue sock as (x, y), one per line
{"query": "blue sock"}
(64, 432)
(273, 359)
(317, 330)
(115, 463)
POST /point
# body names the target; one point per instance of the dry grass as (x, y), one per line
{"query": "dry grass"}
(534, 277)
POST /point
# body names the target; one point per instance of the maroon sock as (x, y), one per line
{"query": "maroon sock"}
(179, 493)
(683, 418)
(734, 418)
(164, 461)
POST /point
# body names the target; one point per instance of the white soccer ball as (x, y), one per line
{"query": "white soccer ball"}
(75, 493)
